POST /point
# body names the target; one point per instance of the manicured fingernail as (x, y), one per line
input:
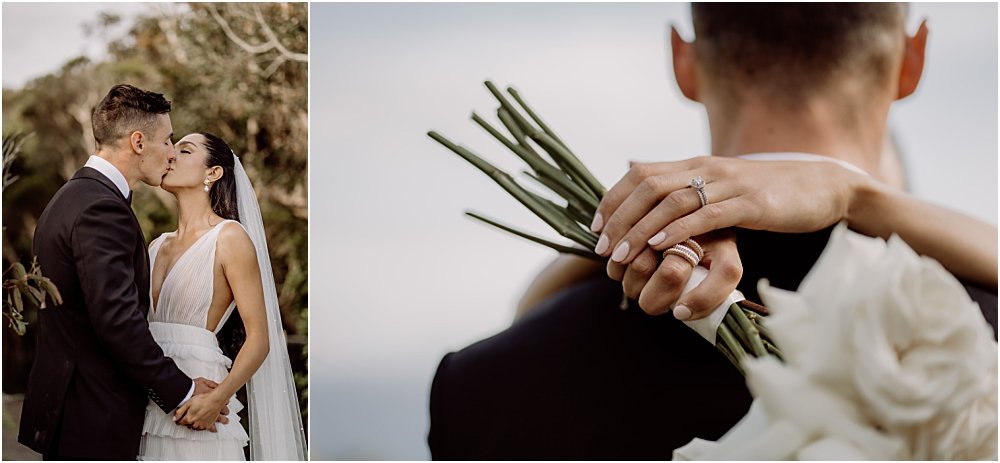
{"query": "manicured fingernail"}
(657, 239)
(602, 244)
(598, 222)
(620, 252)
(682, 313)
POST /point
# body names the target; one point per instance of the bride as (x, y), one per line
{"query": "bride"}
(217, 261)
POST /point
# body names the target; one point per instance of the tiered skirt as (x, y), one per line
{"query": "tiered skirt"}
(196, 352)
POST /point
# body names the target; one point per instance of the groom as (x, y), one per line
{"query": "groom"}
(577, 378)
(97, 364)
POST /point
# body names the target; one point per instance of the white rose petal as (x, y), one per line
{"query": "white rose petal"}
(927, 343)
(886, 356)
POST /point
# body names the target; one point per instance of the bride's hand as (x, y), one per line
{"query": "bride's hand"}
(653, 205)
(658, 285)
(201, 412)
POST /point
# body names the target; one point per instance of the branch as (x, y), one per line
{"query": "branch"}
(272, 43)
(273, 38)
(253, 49)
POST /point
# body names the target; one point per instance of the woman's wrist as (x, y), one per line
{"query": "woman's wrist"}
(219, 395)
(866, 207)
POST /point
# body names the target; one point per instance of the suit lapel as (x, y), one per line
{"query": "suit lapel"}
(87, 172)
(93, 174)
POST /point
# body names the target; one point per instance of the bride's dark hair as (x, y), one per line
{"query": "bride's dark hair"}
(223, 192)
(222, 195)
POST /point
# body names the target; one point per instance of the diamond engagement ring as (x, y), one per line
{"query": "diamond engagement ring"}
(699, 185)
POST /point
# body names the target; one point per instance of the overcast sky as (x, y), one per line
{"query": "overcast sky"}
(39, 38)
(400, 277)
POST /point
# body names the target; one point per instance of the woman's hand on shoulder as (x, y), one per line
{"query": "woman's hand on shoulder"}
(653, 204)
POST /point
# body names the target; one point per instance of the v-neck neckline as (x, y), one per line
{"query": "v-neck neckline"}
(152, 270)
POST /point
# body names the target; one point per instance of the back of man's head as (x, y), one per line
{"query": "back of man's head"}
(790, 50)
(126, 109)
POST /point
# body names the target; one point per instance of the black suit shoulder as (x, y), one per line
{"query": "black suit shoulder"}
(579, 378)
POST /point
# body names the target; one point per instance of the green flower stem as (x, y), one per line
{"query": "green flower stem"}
(731, 343)
(772, 349)
(564, 226)
(741, 336)
(508, 121)
(557, 212)
(762, 327)
(560, 154)
(579, 215)
(732, 348)
(558, 247)
(519, 120)
(586, 208)
(747, 327)
(570, 163)
(517, 96)
(537, 163)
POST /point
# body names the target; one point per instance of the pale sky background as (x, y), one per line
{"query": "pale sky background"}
(400, 277)
(39, 38)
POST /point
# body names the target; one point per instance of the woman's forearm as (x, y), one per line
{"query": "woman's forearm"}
(965, 246)
(248, 360)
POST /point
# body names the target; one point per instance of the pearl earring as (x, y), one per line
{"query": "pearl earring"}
(206, 185)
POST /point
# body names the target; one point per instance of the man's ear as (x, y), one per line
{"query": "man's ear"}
(138, 141)
(913, 62)
(684, 65)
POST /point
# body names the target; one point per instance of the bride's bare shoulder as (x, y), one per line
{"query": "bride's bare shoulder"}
(234, 244)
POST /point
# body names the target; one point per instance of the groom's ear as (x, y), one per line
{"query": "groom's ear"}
(137, 140)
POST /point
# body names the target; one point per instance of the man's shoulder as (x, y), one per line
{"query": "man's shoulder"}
(577, 365)
(84, 187)
(78, 198)
(569, 317)
(566, 336)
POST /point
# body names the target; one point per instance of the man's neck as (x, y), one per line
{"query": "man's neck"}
(121, 162)
(809, 127)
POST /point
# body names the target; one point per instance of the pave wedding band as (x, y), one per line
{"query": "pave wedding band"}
(683, 251)
(695, 247)
(699, 185)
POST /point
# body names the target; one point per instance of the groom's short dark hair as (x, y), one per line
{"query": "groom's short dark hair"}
(126, 109)
(796, 47)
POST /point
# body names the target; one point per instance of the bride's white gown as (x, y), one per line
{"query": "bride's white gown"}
(178, 324)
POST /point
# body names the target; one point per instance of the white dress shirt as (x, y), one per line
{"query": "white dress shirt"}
(112, 173)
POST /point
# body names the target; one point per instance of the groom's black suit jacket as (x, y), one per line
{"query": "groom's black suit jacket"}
(96, 362)
(580, 379)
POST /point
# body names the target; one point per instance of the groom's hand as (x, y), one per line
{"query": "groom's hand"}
(202, 412)
(203, 386)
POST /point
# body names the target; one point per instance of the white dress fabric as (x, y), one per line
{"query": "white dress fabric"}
(178, 323)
